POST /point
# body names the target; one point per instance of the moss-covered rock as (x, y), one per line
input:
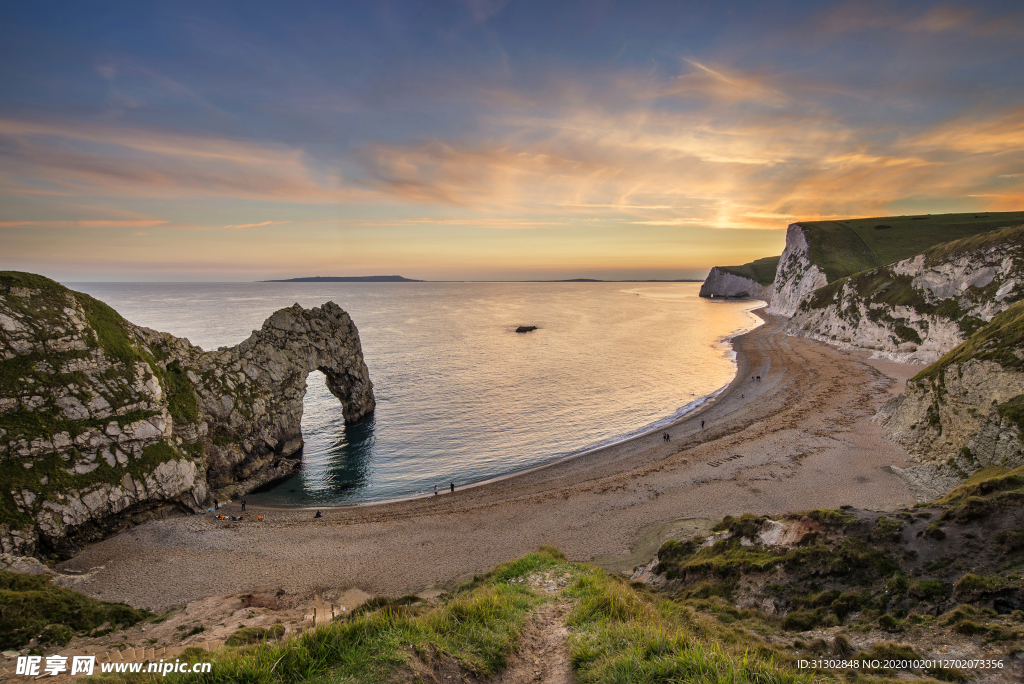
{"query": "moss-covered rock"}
(104, 423)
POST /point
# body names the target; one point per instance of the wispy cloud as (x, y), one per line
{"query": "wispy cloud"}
(94, 159)
(243, 226)
(720, 83)
(87, 223)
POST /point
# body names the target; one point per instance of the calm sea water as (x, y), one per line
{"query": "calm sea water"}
(460, 396)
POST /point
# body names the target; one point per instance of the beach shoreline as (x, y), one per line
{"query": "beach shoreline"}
(802, 438)
(660, 425)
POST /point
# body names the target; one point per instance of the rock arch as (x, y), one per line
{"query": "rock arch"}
(255, 427)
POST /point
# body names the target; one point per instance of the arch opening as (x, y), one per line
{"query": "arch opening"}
(335, 456)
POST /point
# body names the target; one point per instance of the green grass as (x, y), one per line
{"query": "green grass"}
(254, 635)
(43, 312)
(619, 634)
(30, 606)
(113, 332)
(761, 271)
(842, 248)
(880, 285)
(479, 627)
(58, 481)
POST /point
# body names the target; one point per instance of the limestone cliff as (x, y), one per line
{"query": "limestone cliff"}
(104, 423)
(821, 252)
(796, 277)
(964, 412)
(917, 309)
(754, 280)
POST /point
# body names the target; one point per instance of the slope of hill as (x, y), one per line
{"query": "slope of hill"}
(965, 412)
(932, 593)
(820, 252)
(919, 308)
(942, 580)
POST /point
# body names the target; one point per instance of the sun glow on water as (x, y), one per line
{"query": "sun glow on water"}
(461, 397)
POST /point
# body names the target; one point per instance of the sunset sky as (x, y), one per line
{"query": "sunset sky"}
(483, 139)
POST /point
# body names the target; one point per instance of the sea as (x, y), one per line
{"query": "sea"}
(461, 397)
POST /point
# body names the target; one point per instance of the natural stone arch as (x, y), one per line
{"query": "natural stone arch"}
(273, 364)
(149, 421)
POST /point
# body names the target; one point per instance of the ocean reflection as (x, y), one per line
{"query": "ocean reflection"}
(335, 457)
(461, 397)
(342, 467)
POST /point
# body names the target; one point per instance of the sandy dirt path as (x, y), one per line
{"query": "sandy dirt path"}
(800, 439)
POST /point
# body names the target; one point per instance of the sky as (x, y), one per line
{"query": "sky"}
(488, 139)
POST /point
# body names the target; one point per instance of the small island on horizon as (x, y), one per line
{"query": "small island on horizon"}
(403, 279)
(346, 279)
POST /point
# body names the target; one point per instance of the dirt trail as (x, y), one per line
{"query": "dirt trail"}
(543, 651)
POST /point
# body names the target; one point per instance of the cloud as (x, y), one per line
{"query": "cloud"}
(87, 159)
(88, 223)
(693, 167)
(720, 83)
(482, 10)
(857, 15)
(977, 134)
(242, 226)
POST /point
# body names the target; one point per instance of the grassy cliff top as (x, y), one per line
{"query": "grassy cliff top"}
(761, 271)
(841, 248)
(881, 285)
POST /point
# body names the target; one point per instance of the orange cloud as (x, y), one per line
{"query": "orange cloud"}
(98, 223)
(242, 226)
(976, 134)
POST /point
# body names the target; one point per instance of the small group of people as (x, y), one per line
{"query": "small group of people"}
(666, 437)
(437, 492)
(233, 518)
(755, 378)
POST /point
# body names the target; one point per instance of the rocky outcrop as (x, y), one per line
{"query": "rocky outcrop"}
(917, 309)
(796, 277)
(956, 429)
(721, 283)
(104, 423)
(964, 412)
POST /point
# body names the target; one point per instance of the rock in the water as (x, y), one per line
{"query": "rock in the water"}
(113, 424)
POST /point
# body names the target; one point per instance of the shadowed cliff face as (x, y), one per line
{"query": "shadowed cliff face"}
(721, 283)
(104, 424)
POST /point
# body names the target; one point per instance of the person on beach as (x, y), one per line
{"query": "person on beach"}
(216, 505)
(318, 515)
(435, 490)
(702, 425)
(453, 487)
(243, 505)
